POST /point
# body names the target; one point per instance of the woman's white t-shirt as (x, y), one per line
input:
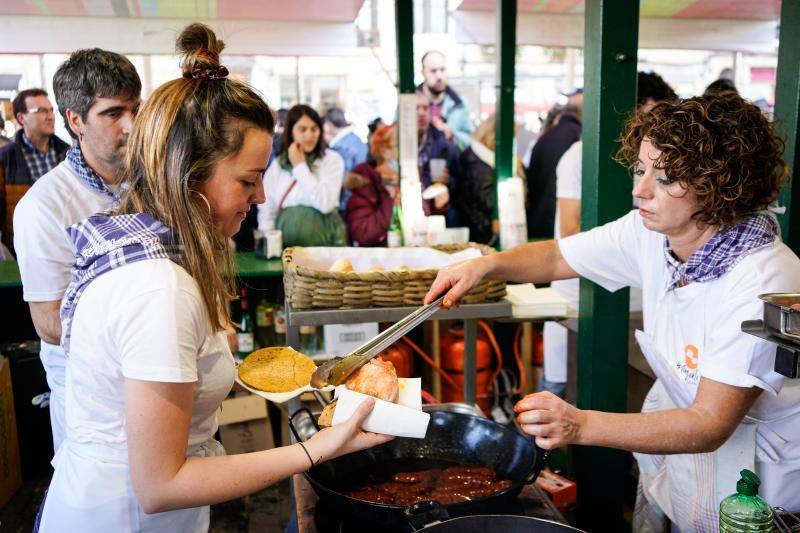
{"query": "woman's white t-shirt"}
(319, 187)
(143, 321)
(625, 253)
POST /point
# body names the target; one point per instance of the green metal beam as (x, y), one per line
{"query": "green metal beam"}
(787, 117)
(404, 30)
(504, 115)
(610, 52)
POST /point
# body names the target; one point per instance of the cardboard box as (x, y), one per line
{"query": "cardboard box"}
(10, 467)
(244, 424)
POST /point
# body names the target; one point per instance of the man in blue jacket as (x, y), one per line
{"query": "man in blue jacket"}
(449, 112)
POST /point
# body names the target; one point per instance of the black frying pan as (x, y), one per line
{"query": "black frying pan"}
(454, 437)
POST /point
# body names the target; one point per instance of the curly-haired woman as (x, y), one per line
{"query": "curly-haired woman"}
(702, 247)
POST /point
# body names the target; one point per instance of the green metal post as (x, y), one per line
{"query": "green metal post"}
(787, 117)
(404, 30)
(504, 115)
(610, 52)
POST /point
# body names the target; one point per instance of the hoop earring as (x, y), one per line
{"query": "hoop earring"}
(203, 197)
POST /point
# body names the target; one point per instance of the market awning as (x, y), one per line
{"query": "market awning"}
(266, 27)
(733, 25)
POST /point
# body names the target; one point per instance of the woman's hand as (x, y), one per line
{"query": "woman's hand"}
(458, 279)
(550, 419)
(440, 201)
(345, 438)
(387, 173)
(296, 154)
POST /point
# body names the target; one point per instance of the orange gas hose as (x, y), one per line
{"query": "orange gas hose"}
(518, 357)
(430, 361)
(495, 347)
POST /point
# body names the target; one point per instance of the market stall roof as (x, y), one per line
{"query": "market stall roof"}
(734, 25)
(268, 27)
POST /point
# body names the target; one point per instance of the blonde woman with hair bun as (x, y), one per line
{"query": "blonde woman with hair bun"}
(145, 314)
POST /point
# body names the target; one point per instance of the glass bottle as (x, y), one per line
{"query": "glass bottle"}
(265, 324)
(245, 334)
(308, 339)
(394, 237)
(279, 315)
(745, 511)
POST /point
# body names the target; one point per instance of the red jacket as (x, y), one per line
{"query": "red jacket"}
(369, 210)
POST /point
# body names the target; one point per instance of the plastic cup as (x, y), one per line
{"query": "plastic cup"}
(437, 167)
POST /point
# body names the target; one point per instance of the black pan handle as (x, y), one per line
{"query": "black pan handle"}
(424, 513)
(538, 464)
(292, 426)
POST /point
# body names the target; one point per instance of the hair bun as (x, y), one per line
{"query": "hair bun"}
(199, 48)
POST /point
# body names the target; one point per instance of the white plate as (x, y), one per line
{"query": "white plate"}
(277, 397)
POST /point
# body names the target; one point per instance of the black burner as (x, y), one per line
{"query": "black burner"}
(329, 520)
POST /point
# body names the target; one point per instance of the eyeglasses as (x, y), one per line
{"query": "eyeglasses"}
(42, 110)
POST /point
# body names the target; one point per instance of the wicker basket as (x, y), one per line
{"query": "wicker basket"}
(308, 288)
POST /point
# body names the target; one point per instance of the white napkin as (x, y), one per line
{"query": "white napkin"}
(402, 419)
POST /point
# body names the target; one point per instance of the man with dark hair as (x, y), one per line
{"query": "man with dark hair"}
(651, 89)
(449, 112)
(541, 171)
(341, 139)
(98, 95)
(34, 152)
(720, 86)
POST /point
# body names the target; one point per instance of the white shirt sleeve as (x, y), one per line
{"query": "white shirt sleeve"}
(44, 252)
(736, 358)
(268, 211)
(321, 187)
(608, 255)
(159, 335)
(568, 173)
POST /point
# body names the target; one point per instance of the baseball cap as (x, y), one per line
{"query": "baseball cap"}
(573, 92)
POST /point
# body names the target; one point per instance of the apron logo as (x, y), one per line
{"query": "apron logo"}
(691, 356)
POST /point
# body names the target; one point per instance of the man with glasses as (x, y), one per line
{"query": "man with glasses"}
(34, 152)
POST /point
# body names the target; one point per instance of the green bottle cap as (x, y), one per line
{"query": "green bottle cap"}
(749, 483)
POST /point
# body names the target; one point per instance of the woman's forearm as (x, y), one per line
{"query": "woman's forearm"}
(536, 262)
(662, 432)
(207, 480)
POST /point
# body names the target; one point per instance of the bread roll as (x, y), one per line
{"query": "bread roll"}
(326, 417)
(342, 264)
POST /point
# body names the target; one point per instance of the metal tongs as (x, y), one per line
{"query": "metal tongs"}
(336, 371)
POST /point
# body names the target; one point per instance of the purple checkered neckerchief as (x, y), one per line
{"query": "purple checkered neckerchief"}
(722, 251)
(103, 243)
(91, 178)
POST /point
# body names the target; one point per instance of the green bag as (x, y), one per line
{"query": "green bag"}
(305, 226)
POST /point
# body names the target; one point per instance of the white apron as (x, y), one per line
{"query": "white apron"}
(687, 487)
(91, 492)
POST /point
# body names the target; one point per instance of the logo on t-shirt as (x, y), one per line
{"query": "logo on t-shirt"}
(688, 362)
(690, 356)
